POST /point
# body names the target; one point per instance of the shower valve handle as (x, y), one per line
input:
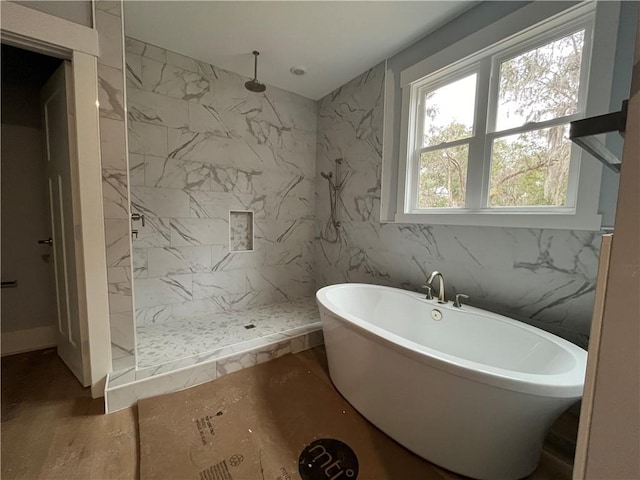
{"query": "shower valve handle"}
(136, 216)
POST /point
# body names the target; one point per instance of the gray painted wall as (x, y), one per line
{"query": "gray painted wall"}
(76, 11)
(25, 220)
(25, 204)
(619, 92)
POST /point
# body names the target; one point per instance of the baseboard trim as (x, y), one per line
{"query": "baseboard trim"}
(27, 340)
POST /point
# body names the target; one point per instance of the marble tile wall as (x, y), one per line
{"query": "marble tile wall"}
(241, 235)
(115, 180)
(543, 277)
(201, 145)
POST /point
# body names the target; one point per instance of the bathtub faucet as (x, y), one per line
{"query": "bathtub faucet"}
(432, 277)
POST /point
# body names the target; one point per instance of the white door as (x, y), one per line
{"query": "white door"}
(53, 97)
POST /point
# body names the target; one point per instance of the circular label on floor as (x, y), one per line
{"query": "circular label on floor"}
(327, 458)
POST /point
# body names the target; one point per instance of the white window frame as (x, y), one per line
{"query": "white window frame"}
(416, 118)
(581, 213)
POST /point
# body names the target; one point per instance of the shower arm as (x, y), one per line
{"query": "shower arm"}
(255, 65)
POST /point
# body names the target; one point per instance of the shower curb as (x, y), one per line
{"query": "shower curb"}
(125, 387)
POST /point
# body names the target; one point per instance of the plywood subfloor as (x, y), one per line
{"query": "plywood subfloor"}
(267, 415)
(53, 429)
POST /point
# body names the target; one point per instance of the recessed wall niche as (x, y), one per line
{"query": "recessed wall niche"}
(240, 231)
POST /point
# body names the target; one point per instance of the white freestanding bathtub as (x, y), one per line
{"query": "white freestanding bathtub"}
(473, 392)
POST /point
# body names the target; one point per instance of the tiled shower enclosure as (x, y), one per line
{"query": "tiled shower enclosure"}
(211, 163)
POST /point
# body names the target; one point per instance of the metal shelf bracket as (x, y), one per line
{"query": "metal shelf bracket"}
(583, 132)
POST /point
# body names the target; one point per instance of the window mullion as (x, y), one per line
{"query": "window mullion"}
(531, 127)
(475, 166)
(442, 146)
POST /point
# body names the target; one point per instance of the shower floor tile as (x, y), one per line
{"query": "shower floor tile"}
(211, 335)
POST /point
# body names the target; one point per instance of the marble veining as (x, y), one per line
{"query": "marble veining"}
(115, 194)
(185, 352)
(112, 134)
(110, 92)
(201, 145)
(115, 188)
(160, 343)
(543, 277)
(127, 386)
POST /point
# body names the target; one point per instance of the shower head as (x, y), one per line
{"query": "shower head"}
(254, 85)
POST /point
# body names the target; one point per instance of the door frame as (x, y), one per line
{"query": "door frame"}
(30, 29)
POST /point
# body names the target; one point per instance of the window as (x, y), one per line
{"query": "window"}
(487, 136)
(442, 142)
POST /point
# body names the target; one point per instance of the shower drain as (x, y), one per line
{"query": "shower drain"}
(251, 325)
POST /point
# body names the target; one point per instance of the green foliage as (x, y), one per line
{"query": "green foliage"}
(527, 169)
(544, 82)
(443, 173)
(443, 177)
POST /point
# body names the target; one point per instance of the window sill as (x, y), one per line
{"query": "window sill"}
(554, 221)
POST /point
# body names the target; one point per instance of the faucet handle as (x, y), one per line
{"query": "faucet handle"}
(429, 291)
(457, 302)
(137, 216)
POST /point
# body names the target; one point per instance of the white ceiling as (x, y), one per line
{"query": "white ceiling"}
(335, 41)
